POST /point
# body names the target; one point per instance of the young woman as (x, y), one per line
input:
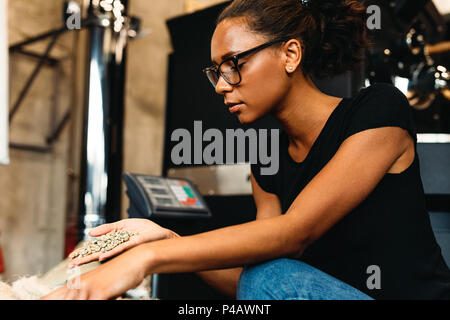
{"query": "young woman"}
(344, 217)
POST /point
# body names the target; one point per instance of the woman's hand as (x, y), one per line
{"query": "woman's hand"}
(146, 231)
(110, 280)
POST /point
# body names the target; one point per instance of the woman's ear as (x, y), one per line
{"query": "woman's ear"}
(293, 55)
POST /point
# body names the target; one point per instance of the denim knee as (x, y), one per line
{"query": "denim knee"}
(288, 279)
(257, 281)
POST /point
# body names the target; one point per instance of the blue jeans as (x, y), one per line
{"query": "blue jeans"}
(288, 279)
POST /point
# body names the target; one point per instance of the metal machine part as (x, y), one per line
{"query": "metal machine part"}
(434, 152)
(425, 84)
(409, 51)
(219, 180)
(101, 161)
(159, 197)
(101, 157)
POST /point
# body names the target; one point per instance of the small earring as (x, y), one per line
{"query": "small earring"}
(291, 68)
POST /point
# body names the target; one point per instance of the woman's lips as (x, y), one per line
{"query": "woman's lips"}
(236, 108)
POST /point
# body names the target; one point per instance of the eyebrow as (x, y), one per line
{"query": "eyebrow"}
(226, 56)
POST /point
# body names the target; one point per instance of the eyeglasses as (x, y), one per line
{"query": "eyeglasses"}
(229, 68)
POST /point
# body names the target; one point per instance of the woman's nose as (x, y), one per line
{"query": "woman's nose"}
(222, 86)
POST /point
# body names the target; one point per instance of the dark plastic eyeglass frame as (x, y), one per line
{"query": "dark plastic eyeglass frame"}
(235, 60)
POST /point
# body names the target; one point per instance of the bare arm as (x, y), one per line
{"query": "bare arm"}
(348, 178)
(226, 280)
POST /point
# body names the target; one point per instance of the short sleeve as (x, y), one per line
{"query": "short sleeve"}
(380, 105)
(266, 182)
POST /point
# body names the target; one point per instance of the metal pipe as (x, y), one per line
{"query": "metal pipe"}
(33, 76)
(30, 147)
(48, 60)
(101, 161)
(57, 32)
(59, 128)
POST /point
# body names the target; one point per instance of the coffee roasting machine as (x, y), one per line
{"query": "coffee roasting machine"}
(108, 29)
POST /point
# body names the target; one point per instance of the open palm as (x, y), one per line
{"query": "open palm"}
(145, 231)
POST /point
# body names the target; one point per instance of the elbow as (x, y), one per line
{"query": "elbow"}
(297, 245)
(298, 249)
(300, 237)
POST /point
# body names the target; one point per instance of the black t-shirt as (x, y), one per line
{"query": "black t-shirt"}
(391, 228)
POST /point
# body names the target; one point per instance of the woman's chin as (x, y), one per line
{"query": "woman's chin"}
(245, 118)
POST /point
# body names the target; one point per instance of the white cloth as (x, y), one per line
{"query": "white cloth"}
(4, 87)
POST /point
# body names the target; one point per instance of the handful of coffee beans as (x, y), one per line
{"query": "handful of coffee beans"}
(103, 243)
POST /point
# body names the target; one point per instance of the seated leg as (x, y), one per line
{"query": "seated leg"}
(288, 279)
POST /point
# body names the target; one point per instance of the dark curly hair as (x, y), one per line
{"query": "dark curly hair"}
(332, 32)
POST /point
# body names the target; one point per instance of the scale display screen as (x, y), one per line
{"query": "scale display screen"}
(164, 197)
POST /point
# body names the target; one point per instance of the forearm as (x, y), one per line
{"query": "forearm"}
(224, 280)
(229, 247)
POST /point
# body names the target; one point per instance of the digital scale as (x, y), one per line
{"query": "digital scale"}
(158, 197)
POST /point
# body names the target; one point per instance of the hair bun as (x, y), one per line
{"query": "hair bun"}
(339, 38)
(333, 32)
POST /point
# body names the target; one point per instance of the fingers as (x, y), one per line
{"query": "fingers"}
(65, 293)
(100, 256)
(119, 249)
(103, 229)
(76, 294)
(83, 260)
(69, 294)
(79, 292)
(75, 253)
(57, 294)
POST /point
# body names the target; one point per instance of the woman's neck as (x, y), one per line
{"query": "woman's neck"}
(303, 114)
